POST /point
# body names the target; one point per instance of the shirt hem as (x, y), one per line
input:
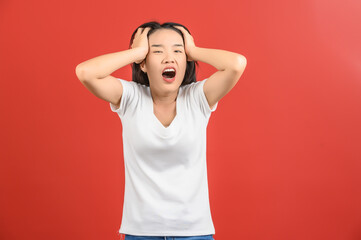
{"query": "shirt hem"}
(167, 233)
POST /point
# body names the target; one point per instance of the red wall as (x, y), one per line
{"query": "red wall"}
(284, 156)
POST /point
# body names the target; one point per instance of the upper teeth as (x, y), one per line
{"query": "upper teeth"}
(169, 70)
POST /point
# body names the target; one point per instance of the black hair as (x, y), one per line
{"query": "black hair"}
(140, 77)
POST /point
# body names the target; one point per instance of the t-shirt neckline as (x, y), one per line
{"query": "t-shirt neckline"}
(156, 121)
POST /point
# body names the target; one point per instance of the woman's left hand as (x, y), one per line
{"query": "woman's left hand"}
(189, 43)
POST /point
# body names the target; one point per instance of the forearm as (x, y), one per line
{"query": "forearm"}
(104, 65)
(219, 59)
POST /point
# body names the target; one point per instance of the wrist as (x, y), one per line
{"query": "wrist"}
(139, 54)
(191, 54)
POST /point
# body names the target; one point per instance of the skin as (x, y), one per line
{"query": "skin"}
(230, 68)
(164, 94)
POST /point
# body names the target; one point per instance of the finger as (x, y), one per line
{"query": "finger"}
(147, 29)
(138, 31)
(180, 28)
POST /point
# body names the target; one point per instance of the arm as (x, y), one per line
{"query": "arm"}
(230, 68)
(94, 74)
(102, 66)
(220, 59)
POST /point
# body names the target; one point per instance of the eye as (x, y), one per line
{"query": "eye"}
(178, 51)
(156, 51)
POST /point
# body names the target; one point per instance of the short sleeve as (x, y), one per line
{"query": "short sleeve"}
(201, 98)
(128, 95)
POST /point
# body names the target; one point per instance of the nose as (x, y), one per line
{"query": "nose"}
(169, 57)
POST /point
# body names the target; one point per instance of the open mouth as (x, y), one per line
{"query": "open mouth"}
(169, 73)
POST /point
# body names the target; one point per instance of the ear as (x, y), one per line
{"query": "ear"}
(143, 67)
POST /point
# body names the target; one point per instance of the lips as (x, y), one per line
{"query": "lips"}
(170, 80)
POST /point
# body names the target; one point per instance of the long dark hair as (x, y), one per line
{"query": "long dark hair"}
(140, 77)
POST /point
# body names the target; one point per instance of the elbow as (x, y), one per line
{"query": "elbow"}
(241, 63)
(80, 72)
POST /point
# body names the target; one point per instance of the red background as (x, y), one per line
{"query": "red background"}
(284, 156)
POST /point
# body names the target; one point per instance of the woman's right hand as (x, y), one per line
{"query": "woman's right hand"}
(141, 41)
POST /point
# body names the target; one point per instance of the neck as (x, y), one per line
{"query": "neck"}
(164, 98)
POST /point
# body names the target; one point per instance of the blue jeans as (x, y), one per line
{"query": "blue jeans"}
(199, 237)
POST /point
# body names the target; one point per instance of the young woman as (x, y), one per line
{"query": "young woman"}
(164, 113)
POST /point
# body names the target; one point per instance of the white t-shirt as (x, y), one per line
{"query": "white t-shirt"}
(166, 186)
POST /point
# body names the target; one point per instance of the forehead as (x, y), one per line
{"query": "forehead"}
(165, 37)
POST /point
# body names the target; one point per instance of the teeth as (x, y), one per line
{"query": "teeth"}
(169, 70)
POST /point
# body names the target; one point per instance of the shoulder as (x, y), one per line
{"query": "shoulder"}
(195, 93)
(191, 86)
(133, 86)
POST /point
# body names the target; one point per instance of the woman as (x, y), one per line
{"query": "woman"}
(164, 113)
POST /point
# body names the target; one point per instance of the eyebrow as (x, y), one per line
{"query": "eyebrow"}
(161, 45)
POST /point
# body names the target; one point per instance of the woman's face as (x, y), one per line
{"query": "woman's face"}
(166, 48)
